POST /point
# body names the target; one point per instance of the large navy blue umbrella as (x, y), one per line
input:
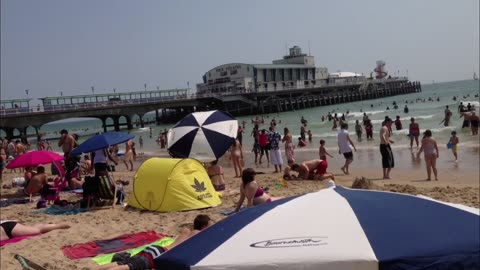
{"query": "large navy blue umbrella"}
(337, 228)
(205, 136)
(101, 141)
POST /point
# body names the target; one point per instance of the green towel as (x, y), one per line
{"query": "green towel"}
(107, 258)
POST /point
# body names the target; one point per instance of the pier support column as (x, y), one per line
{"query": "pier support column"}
(37, 133)
(142, 123)
(104, 124)
(129, 122)
(9, 133)
(23, 135)
(116, 123)
(157, 117)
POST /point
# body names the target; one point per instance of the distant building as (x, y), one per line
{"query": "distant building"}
(345, 77)
(296, 70)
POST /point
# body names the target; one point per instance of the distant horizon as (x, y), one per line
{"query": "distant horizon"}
(54, 46)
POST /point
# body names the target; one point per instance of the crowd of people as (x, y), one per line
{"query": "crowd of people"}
(267, 142)
(74, 167)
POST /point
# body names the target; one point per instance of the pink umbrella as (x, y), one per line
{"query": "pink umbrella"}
(34, 158)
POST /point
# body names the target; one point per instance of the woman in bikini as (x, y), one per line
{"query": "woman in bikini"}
(12, 228)
(413, 132)
(236, 154)
(215, 172)
(250, 190)
(430, 150)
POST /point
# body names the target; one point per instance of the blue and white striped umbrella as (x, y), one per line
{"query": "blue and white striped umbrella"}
(337, 228)
(205, 136)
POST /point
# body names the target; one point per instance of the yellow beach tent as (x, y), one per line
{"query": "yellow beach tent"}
(170, 184)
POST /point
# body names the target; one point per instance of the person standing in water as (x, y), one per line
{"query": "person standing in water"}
(448, 115)
(345, 145)
(385, 150)
(430, 149)
(358, 130)
(398, 123)
(413, 132)
(453, 142)
(322, 152)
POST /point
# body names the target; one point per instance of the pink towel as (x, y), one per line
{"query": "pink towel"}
(119, 243)
(14, 240)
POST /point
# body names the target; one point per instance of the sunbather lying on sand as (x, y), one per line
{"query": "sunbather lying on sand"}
(144, 259)
(12, 228)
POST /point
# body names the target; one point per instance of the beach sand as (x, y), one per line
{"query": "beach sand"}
(459, 183)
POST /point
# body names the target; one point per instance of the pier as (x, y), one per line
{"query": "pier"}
(170, 105)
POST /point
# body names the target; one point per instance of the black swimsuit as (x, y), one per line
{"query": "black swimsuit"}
(8, 227)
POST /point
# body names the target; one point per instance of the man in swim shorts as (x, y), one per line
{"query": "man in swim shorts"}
(385, 149)
(315, 169)
(345, 145)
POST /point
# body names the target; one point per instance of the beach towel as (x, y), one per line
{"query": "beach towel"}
(15, 240)
(27, 264)
(123, 242)
(62, 210)
(107, 258)
(10, 201)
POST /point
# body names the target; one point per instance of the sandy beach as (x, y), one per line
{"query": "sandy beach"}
(459, 183)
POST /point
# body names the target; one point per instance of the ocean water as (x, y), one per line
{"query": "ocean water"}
(428, 114)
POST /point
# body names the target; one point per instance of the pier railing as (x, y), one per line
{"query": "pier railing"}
(182, 97)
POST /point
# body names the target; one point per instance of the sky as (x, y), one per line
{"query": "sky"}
(62, 46)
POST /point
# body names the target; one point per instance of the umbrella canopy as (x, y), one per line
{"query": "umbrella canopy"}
(205, 136)
(337, 228)
(101, 141)
(34, 158)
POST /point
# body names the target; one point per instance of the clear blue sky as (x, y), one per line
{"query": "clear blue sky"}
(50, 46)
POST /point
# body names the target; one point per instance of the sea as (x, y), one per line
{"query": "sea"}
(423, 106)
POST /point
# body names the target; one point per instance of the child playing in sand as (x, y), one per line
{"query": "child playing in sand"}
(322, 151)
(453, 142)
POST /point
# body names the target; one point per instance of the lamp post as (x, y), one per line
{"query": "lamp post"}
(145, 86)
(61, 93)
(113, 90)
(93, 90)
(26, 91)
